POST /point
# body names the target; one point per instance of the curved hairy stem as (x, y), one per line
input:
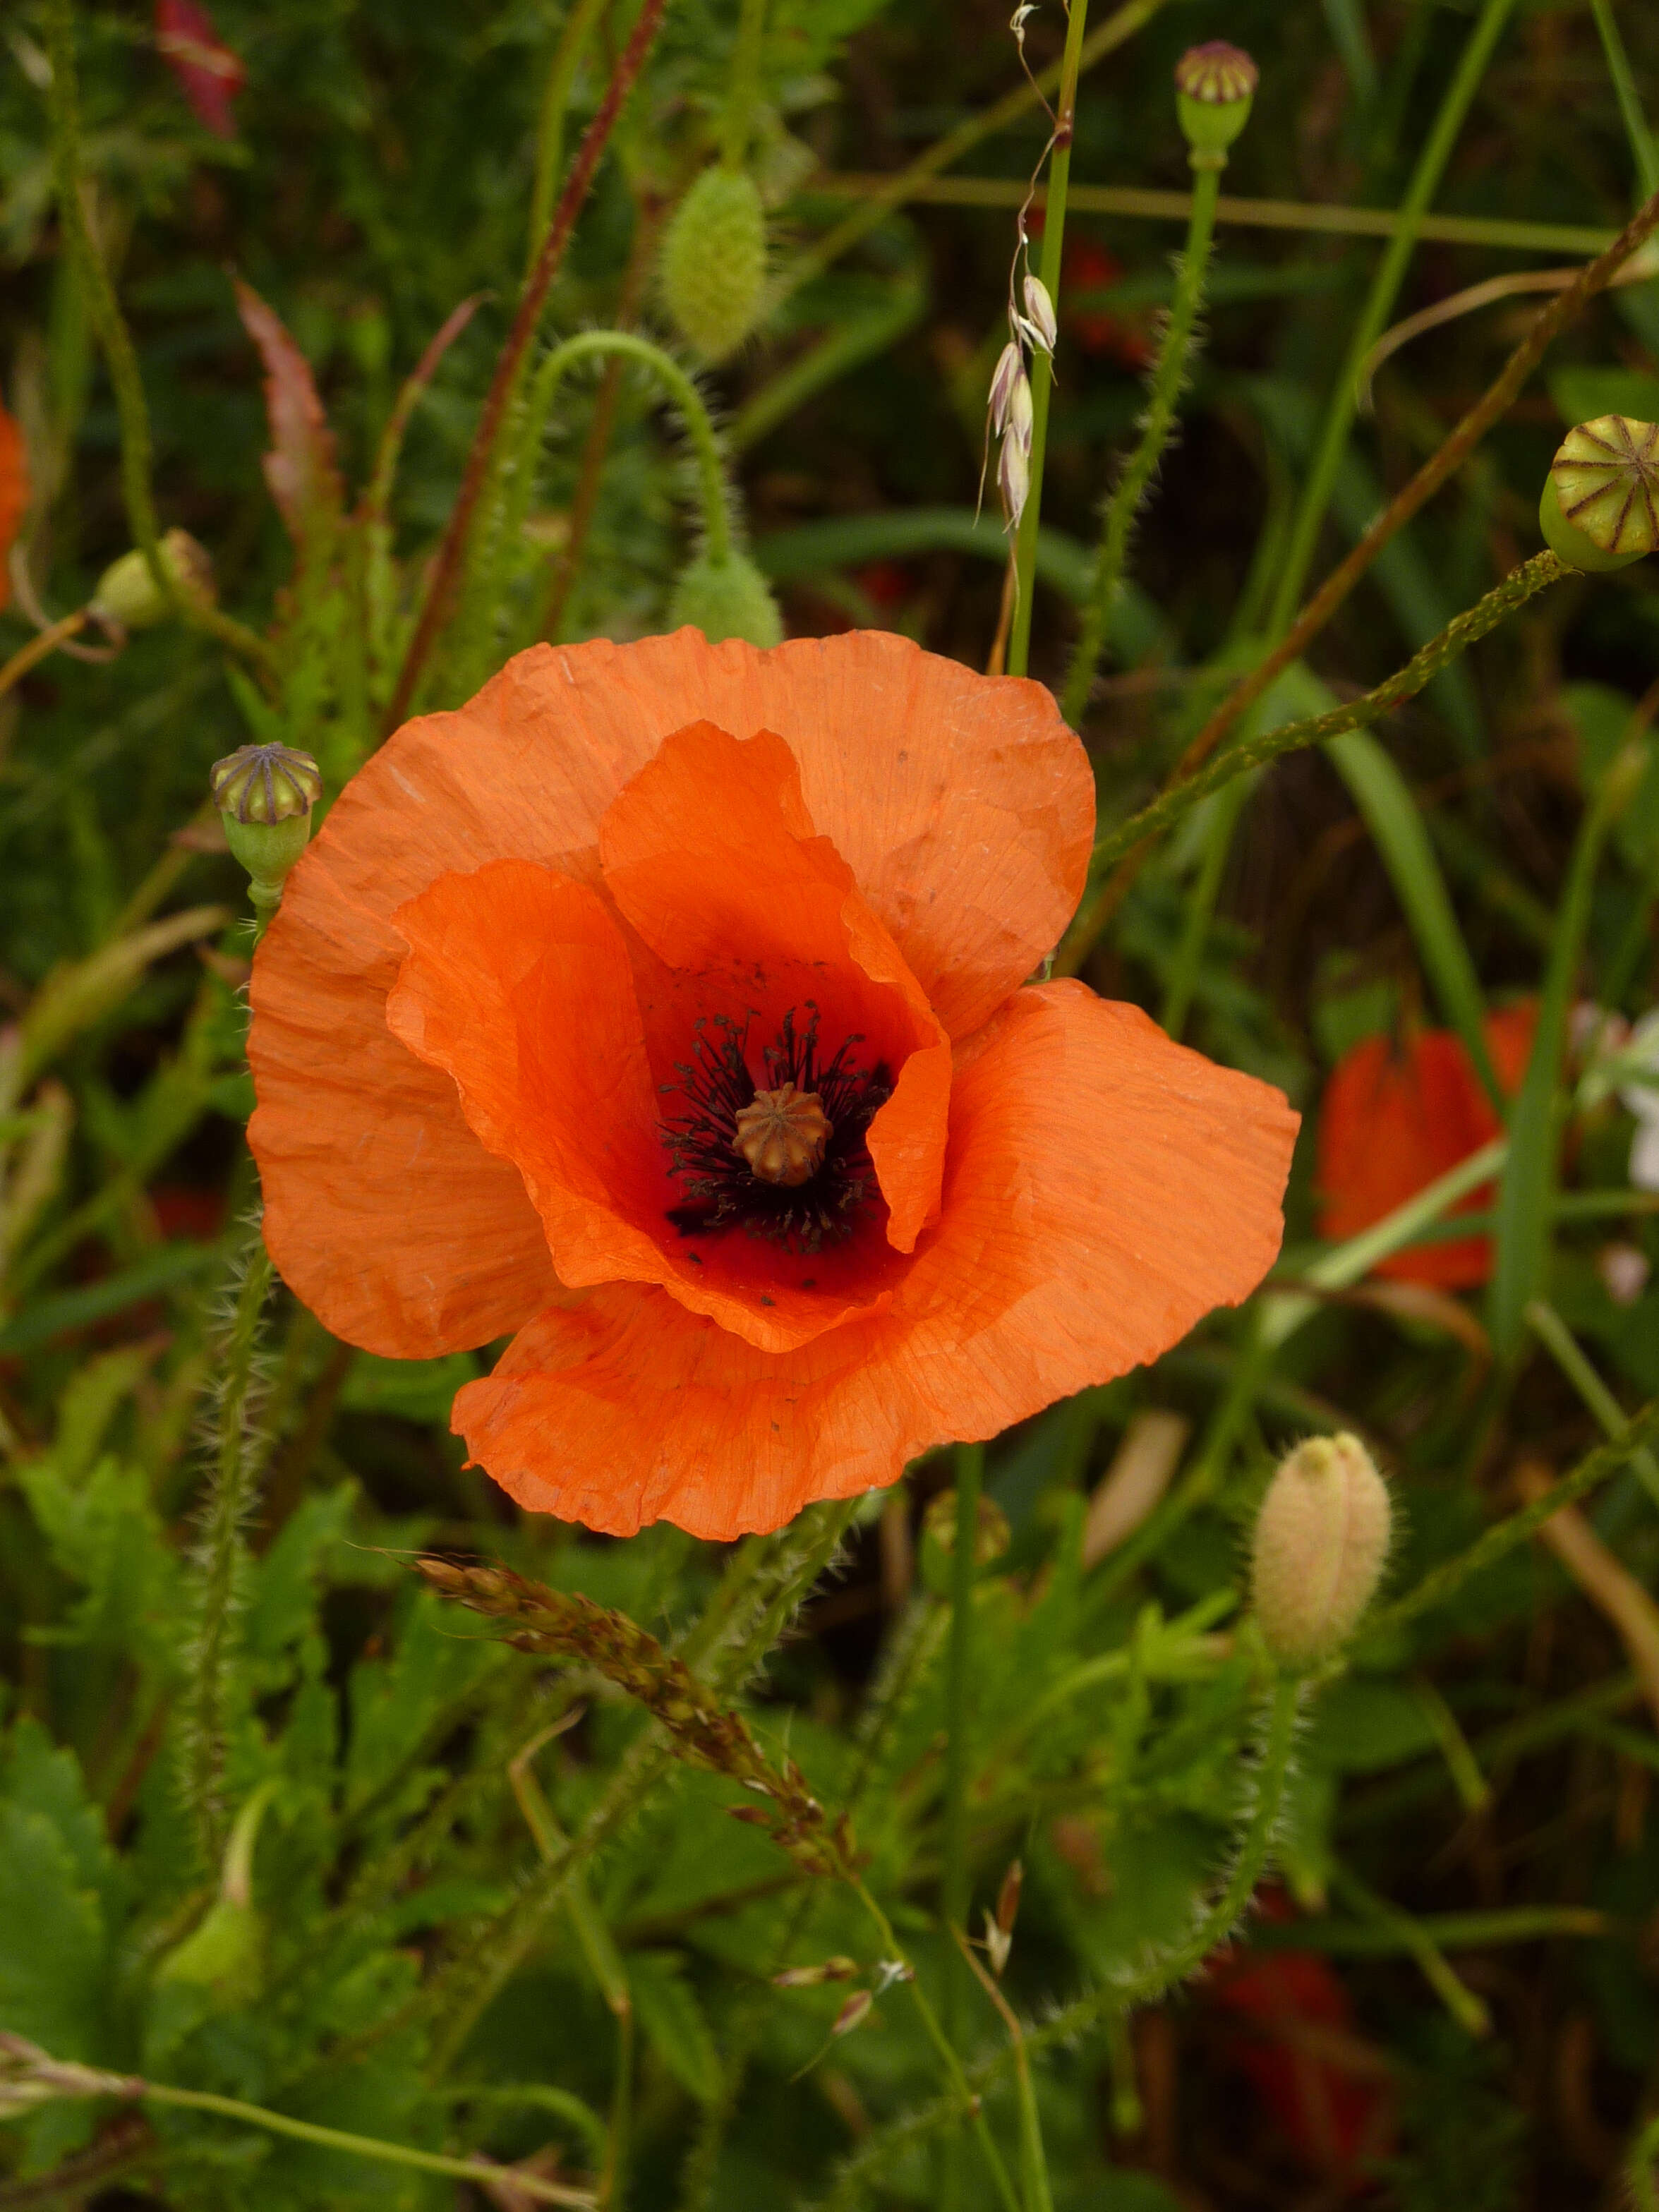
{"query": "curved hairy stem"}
(1168, 379)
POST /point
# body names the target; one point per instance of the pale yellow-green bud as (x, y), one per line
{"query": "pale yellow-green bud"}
(128, 596)
(1321, 1542)
(1599, 507)
(712, 269)
(726, 598)
(264, 795)
(1215, 84)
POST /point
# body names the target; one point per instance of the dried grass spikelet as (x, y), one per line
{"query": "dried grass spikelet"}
(1320, 1544)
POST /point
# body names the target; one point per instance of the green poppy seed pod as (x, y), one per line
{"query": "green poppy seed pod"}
(713, 270)
(1599, 507)
(1215, 84)
(265, 795)
(1320, 1544)
(127, 597)
(726, 598)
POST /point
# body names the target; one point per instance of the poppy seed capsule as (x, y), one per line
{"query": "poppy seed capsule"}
(713, 270)
(265, 795)
(726, 598)
(128, 597)
(1321, 1541)
(1599, 507)
(782, 1135)
(1215, 84)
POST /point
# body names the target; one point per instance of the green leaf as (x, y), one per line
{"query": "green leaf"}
(1582, 394)
(674, 2021)
(416, 1389)
(52, 1938)
(398, 1703)
(104, 1533)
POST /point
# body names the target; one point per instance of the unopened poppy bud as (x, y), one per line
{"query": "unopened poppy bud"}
(726, 598)
(128, 596)
(265, 795)
(712, 269)
(1321, 1541)
(1215, 84)
(1600, 507)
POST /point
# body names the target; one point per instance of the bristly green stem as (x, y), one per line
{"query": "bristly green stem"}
(1042, 368)
(742, 87)
(1568, 1354)
(1460, 634)
(223, 1549)
(115, 339)
(958, 1690)
(1310, 518)
(1168, 379)
(699, 426)
(1441, 1582)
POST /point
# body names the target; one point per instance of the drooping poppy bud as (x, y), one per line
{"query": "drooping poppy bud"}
(1320, 1544)
(265, 795)
(713, 270)
(726, 598)
(1215, 84)
(127, 596)
(1599, 507)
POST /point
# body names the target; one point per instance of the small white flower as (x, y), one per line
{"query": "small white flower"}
(1624, 1272)
(1014, 477)
(1010, 371)
(1042, 328)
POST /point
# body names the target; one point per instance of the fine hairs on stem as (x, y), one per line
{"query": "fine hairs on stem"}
(233, 1441)
(1169, 379)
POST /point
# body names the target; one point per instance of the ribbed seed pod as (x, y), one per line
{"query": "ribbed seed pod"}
(726, 598)
(1600, 508)
(713, 270)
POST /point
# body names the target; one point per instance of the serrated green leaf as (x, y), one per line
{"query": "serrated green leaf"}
(52, 1938)
(673, 2022)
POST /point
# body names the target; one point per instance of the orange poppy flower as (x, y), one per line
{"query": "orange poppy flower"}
(1394, 1121)
(14, 495)
(664, 1004)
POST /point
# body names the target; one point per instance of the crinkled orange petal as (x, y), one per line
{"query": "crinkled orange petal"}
(711, 855)
(1105, 1189)
(962, 803)
(518, 985)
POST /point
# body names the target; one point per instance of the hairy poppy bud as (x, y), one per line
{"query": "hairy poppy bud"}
(1321, 1541)
(1215, 84)
(1600, 507)
(265, 795)
(726, 598)
(128, 597)
(714, 262)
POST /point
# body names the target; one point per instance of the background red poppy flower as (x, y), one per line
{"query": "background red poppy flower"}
(503, 967)
(14, 495)
(209, 75)
(1396, 1116)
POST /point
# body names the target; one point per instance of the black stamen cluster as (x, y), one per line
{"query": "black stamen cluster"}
(722, 1190)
